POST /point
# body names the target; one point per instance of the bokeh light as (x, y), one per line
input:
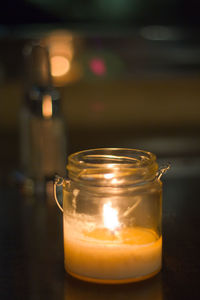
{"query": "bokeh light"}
(97, 66)
(47, 107)
(60, 65)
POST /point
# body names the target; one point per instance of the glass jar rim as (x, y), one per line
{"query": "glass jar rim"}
(84, 158)
(112, 166)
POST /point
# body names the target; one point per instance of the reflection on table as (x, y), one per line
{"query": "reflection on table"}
(78, 290)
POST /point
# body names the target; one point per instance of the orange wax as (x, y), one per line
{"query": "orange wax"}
(100, 255)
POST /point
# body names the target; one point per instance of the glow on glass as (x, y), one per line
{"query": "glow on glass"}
(108, 176)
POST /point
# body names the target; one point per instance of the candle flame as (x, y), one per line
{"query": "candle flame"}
(110, 217)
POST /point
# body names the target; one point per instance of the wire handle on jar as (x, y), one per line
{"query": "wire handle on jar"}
(163, 169)
(58, 181)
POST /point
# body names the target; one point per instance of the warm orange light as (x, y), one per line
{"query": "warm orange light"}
(47, 107)
(110, 217)
(108, 176)
(60, 65)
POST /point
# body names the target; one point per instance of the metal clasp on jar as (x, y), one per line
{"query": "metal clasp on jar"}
(59, 181)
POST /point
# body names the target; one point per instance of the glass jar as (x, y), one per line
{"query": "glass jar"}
(112, 213)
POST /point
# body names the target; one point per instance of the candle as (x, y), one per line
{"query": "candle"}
(110, 253)
(112, 213)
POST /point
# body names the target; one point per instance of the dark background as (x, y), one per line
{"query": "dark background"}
(130, 13)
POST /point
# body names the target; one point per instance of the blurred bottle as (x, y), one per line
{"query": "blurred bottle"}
(42, 132)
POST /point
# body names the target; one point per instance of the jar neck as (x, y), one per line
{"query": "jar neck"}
(112, 167)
